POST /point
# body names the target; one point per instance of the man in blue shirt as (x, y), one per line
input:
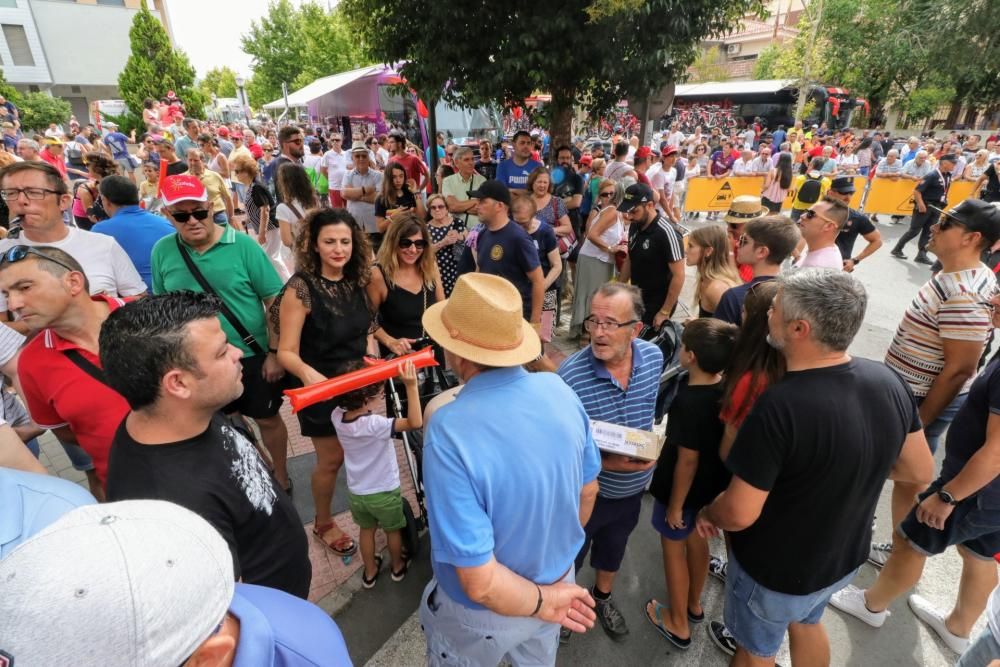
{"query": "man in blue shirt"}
(118, 143)
(616, 378)
(503, 565)
(135, 229)
(514, 172)
(163, 572)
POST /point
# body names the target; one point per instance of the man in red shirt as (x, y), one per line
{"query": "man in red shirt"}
(59, 369)
(53, 154)
(416, 170)
(250, 141)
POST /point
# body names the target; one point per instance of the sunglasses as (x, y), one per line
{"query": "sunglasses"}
(438, 207)
(744, 239)
(947, 222)
(407, 243)
(199, 214)
(809, 214)
(606, 194)
(19, 252)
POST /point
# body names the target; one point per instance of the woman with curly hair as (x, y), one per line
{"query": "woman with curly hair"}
(324, 318)
(87, 206)
(405, 282)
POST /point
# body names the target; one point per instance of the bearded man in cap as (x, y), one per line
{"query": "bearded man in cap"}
(502, 569)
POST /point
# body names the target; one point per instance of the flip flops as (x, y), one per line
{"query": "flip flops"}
(679, 642)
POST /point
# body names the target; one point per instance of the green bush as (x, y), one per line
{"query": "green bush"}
(38, 110)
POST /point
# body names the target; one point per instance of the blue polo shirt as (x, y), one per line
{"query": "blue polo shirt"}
(504, 465)
(281, 630)
(29, 502)
(514, 176)
(604, 400)
(137, 231)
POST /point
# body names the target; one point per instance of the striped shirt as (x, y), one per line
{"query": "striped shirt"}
(605, 400)
(952, 306)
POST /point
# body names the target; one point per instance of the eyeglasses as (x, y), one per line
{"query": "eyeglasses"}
(184, 216)
(809, 214)
(336, 140)
(591, 324)
(12, 194)
(744, 239)
(947, 222)
(420, 244)
(438, 207)
(19, 252)
(606, 194)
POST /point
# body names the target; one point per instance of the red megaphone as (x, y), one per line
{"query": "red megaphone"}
(322, 391)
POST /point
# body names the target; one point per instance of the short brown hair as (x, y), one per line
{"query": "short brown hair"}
(55, 179)
(777, 233)
(712, 342)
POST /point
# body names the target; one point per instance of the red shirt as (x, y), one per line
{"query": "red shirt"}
(743, 398)
(59, 393)
(413, 166)
(55, 160)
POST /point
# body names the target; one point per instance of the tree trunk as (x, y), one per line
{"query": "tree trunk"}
(952, 119)
(970, 118)
(561, 118)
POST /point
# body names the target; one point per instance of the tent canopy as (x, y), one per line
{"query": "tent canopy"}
(724, 89)
(344, 94)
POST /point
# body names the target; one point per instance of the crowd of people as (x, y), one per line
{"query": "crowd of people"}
(154, 324)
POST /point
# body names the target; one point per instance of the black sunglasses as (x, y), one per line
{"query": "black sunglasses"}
(19, 252)
(406, 243)
(199, 214)
(947, 222)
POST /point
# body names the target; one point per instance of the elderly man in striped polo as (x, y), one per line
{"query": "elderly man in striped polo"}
(616, 378)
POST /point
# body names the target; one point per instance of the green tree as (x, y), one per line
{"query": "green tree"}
(328, 46)
(220, 81)
(156, 67)
(590, 53)
(8, 91)
(275, 44)
(39, 109)
(708, 66)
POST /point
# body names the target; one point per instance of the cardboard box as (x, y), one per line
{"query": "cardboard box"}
(633, 442)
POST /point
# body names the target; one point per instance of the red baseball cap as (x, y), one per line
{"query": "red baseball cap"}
(182, 187)
(643, 152)
(667, 150)
(586, 159)
(223, 131)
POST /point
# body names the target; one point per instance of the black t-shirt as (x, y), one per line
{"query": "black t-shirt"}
(651, 251)
(693, 423)
(405, 200)
(487, 169)
(175, 168)
(572, 185)
(510, 253)
(220, 476)
(967, 433)
(933, 187)
(991, 192)
(821, 442)
(858, 224)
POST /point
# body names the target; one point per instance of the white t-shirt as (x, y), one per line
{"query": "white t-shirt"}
(383, 156)
(748, 138)
(663, 182)
(993, 612)
(824, 258)
(107, 267)
(284, 213)
(675, 138)
(369, 455)
(336, 166)
(742, 167)
(311, 161)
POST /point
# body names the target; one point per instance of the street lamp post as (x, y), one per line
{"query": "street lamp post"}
(240, 81)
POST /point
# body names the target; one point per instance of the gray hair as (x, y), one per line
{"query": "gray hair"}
(461, 152)
(833, 302)
(611, 290)
(921, 153)
(29, 143)
(196, 151)
(893, 152)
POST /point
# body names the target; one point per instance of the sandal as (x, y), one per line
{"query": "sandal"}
(370, 583)
(679, 642)
(343, 546)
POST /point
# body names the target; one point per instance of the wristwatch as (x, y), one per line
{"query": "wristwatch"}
(946, 497)
(856, 260)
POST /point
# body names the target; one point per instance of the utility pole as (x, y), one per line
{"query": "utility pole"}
(816, 17)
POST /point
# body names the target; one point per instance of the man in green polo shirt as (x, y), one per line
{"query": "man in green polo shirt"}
(456, 188)
(239, 272)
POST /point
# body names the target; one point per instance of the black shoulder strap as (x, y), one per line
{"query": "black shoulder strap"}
(241, 330)
(86, 365)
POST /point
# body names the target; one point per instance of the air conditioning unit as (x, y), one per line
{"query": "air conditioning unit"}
(733, 49)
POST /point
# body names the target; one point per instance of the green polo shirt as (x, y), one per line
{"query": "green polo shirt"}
(236, 267)
(458, 188)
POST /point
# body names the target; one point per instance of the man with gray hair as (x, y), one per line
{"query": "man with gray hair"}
(805, 477)
(28, 150)
(457, 188)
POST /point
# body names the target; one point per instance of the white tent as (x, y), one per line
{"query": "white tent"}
(348, 93)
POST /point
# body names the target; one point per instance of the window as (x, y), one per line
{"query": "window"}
(112, 3)
(17, 42)
(8, 4)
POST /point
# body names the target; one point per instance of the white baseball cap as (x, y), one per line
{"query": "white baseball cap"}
(139, 583)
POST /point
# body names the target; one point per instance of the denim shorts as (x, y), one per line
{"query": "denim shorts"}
(758, 617)
(977, 530)
(980, 652)
(659, 521)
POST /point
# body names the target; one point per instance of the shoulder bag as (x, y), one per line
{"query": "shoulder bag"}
(244, 333)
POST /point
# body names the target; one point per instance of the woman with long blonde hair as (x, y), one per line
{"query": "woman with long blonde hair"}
(709, 250)
(405, 282)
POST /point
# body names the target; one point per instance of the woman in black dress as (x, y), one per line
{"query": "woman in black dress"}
(324, 318)
(405, 282)
(397, 196)
(448, 239)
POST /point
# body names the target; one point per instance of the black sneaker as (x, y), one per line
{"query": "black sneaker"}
(721, 637)
(922, 258)
(611, 619)
(564, 635)
(898, 254)
(717, 568)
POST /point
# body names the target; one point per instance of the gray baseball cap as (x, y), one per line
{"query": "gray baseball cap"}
(140, 583)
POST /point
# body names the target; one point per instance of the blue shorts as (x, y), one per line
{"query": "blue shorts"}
(977, 530)
(758, 617)
(659, 521)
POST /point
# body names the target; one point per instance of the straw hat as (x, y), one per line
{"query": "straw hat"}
(482, 321)
(744, 209)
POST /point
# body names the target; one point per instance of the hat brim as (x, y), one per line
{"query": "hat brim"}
(528, 350)
(729, 217)
(849, 190)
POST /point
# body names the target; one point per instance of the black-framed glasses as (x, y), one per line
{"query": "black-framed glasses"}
(184, 216)
(592, 324)
(11, 194)
(19, 252)
(420, 244)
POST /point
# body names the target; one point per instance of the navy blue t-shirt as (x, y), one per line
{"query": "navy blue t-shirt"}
(545, 241)
(730, 308)
(967, 433)
(510, 253)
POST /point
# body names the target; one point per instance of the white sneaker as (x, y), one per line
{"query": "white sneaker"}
(925, 611)
(851, 600)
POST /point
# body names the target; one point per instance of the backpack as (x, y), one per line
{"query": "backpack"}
(810, 190)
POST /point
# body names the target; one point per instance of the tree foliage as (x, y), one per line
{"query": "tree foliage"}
(38, 110)
(219, 81)
(708, 65)
(295, 46)
(592, 53)
(156, 67)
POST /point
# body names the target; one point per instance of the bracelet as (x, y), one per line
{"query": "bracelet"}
(272, 350)
(538, 606)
